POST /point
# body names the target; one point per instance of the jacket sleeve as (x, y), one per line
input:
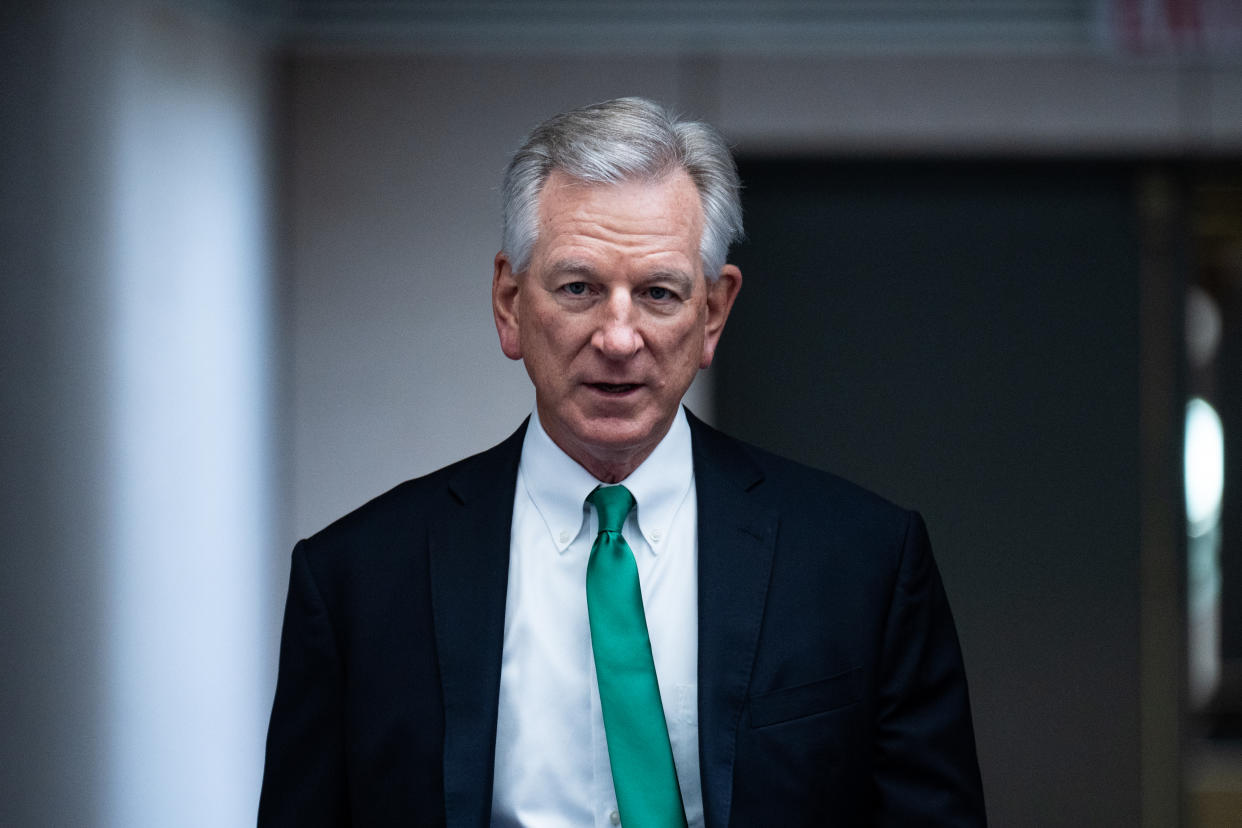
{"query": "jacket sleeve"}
(304, 780)
(926, 769)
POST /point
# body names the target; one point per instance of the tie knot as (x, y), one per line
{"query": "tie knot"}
(612, 503)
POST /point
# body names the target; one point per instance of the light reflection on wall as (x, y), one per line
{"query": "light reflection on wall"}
(1204, 475)
(190, 494)
(1204, 481)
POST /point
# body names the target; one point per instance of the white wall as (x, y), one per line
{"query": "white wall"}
(191, 489)
(139, 497)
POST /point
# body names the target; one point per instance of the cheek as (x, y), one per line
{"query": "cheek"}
(548, 344)
(688, 346)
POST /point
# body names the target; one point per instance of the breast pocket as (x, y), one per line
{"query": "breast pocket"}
(790, 703)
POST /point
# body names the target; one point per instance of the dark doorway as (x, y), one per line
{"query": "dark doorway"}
(964, 338)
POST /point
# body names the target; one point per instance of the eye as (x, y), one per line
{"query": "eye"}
(575, 288)
(658, 293)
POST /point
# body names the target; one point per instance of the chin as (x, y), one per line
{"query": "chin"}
(615, 435)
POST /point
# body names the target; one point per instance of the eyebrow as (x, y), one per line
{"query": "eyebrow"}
(679, 277)
(579, 267)
(575, 267)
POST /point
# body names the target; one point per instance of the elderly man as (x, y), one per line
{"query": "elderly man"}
(619, 615)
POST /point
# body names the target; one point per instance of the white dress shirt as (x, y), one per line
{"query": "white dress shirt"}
(552, 764)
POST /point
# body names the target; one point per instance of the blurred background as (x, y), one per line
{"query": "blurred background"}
(994, 271)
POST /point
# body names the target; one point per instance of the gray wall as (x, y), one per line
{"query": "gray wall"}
(393, 220)
(392, 210)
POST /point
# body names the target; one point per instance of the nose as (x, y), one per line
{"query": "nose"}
(615, 336)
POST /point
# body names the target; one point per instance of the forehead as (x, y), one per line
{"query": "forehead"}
(664, 212)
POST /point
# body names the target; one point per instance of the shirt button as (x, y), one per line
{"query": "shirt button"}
(655, 537)
(564, 537)
(614, 818)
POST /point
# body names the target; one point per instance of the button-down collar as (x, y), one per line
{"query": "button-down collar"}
(558, 486)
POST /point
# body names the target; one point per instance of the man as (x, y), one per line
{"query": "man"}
(726, 638)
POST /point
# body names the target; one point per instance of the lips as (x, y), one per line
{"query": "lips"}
(613, 387)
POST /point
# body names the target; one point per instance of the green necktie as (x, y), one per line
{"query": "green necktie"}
(643, 775)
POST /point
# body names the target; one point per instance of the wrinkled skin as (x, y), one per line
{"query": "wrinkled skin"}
(614, 316)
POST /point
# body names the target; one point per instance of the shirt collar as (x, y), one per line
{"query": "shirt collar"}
(558, 486)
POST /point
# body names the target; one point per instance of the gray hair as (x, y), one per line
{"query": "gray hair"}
(624, 139)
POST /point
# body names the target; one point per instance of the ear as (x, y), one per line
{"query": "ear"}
(505, 290)
(720, 296)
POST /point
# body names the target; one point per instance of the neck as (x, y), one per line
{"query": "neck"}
(609, 473)
(607, 465)
(610, 468)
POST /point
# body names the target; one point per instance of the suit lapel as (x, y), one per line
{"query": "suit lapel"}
(469, 560)
(469, 566)
(737, 536)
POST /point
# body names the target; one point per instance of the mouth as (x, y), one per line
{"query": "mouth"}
(614, 387)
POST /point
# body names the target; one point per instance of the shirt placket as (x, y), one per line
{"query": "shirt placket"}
(603, 795)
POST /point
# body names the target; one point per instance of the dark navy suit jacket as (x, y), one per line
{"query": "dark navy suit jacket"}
(831, 687)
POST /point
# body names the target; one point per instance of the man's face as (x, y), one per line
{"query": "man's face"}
(614, 316)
